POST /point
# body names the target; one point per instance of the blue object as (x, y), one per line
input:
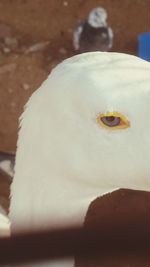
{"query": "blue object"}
(144, 46)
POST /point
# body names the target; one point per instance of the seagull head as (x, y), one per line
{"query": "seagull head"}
(88, 124)
(97, 17)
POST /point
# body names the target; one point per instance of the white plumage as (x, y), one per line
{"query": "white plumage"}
(65, 158)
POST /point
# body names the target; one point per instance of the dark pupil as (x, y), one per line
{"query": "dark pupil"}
(111, 121)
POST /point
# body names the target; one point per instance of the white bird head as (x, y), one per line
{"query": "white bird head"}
(86, 128)
(89, 122)
(97, 17)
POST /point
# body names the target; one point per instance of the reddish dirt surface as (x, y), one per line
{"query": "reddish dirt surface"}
(23, 67)
(34, 21)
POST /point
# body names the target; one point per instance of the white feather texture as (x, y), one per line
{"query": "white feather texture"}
(65, 159)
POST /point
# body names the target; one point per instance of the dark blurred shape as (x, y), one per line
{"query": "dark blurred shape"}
(93, 34)
(8, 39)
(125, 215)
(120, 231)
(63, 243)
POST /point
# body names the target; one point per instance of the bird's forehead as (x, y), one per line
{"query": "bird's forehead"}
(104, 59)
(119, 86)
(103, 89)
(106, 68)
(107, 85)
(105, 76)
(110, 80)
(116, 75)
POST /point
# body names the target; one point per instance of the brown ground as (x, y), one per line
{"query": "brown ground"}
(23, 66)
(33, 21)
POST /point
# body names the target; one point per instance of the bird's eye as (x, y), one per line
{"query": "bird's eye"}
(113, 120)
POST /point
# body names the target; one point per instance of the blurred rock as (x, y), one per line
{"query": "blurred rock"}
(26, 86)
(65, 3)
(62, 51)
(7, 68)
(8, 41)
(7, 162)
(37, 47)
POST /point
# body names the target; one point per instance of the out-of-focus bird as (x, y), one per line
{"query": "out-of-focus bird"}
(7, 162)
(84, 133)
(93, 34)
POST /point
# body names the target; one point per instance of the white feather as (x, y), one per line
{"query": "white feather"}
(64, 158)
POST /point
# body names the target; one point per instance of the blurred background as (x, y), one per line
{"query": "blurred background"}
(35, 35)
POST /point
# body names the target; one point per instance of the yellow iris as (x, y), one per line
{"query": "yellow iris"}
(113, 120)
